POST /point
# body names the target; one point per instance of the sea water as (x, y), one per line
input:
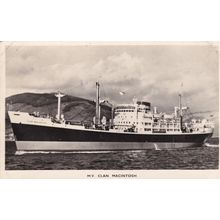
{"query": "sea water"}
(191, 158)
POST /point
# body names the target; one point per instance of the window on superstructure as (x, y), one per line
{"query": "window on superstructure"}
(147, 129)
(147, 123)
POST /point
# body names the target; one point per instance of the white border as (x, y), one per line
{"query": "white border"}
(146, 20)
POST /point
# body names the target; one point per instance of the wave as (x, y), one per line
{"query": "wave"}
(211, 145)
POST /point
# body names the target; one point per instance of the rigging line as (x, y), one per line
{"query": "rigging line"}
(91, 113)
(103, 91)
(88, 115)
(183, 95)
(185, 101)
(77, 114)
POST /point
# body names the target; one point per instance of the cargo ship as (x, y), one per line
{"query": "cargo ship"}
(133, 126)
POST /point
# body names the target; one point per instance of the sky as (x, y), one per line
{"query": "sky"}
(152, 73)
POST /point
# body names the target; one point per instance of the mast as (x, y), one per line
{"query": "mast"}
(59, 95)
(180, 112)
(97, 115)
(112, 115)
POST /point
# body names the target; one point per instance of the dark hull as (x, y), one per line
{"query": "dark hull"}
(102, 140)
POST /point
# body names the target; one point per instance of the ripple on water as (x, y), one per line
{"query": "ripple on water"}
(194, 158)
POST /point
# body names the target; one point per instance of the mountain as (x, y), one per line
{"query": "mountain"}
(74, 108)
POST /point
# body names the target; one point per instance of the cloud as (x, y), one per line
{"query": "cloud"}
(152, 73)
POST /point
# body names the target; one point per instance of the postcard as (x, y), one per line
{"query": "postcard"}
(109, 110)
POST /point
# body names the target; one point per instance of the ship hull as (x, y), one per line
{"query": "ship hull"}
(35, 137)
(97, 146)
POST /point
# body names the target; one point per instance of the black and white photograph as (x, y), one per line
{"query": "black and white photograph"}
(109, 110)
(112, 106)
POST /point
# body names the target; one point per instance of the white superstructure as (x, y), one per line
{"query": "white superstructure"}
(138, 117)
